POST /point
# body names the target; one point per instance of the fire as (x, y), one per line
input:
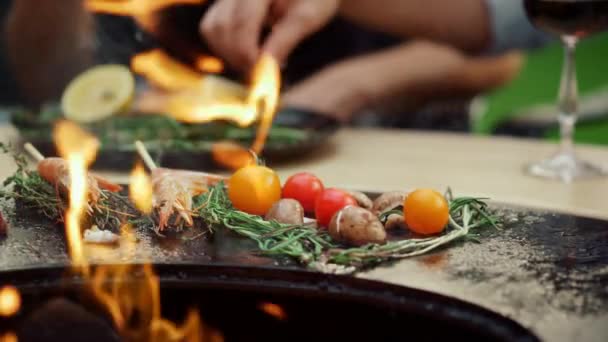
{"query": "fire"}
(265, 93)
(9, 337)
(140, 189)
(232, 155)
(165, 72)
(187, 100)
(264, 99)
(10, 301)
(79, 149)
(132, 299)
(141, 10)
(209, 64)
(196, 98)
(274, 310)
(135, 308)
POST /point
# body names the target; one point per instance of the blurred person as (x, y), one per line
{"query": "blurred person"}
(46, 44)
(460, 51)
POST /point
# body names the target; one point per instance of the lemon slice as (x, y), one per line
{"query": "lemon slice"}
(98, 93)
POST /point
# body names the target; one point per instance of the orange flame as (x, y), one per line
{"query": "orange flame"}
(132, 301)
(10, 301)
(135, 308)
(79, 149)
(141, 10)
(165, 72)
(264, 98)
(274, 310)
(140, 189)
(209, 64)
(265, 93)
(9, 337)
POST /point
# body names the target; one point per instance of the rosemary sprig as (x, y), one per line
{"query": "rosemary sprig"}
(31, 191)
(302, 242)
(161, 133)
(466, 214)
(313, 247)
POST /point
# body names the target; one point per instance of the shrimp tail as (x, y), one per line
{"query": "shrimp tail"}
(106, 184)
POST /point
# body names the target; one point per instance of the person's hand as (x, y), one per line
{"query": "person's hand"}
(233, 28)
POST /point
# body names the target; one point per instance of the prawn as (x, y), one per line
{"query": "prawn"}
(174, 189)
(56, 172)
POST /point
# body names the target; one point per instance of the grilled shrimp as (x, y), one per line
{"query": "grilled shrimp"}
(173, 191)
(56, 172)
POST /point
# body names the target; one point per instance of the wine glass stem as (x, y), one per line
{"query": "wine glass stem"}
(568, 96)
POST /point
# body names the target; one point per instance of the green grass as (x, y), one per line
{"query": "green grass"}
(538, 83)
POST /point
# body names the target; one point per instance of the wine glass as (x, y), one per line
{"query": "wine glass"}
(571, 20)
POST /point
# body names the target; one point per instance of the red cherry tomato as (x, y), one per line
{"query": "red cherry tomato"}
(329, 202)
(304, 187)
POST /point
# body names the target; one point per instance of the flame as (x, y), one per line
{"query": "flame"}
(264, 98)
(187, 102)
(232, 155)
(9, 337)
(79, 149)
(10, 301)
(135, 308)
(209, 64)
(133, 302)
(140, 189)
(274, 310)
(165, 72)
(265, 93)
(141, 10)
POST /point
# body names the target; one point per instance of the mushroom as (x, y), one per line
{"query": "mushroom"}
(356, 226)
(388, 201)
(3, 226)
(395, 221)
(286, 211)
(362, 199)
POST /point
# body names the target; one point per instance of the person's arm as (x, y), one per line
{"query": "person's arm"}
(464, 24)
(474, 26)
(419, 71)
(47, 45)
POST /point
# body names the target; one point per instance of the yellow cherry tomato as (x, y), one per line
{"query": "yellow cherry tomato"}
(426, 211)
(254, 189)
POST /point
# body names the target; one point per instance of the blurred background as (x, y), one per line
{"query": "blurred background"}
(514, 94)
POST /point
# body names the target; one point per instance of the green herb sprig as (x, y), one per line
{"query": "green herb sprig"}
(466, 214)
(313, 247)
(303, 242)
(31, 191)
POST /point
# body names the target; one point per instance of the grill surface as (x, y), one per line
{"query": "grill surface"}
(545, 270)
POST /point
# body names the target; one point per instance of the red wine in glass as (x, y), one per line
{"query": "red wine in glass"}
(571, 20)
(569, 17)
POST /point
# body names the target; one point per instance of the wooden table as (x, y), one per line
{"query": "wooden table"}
(382, 160)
